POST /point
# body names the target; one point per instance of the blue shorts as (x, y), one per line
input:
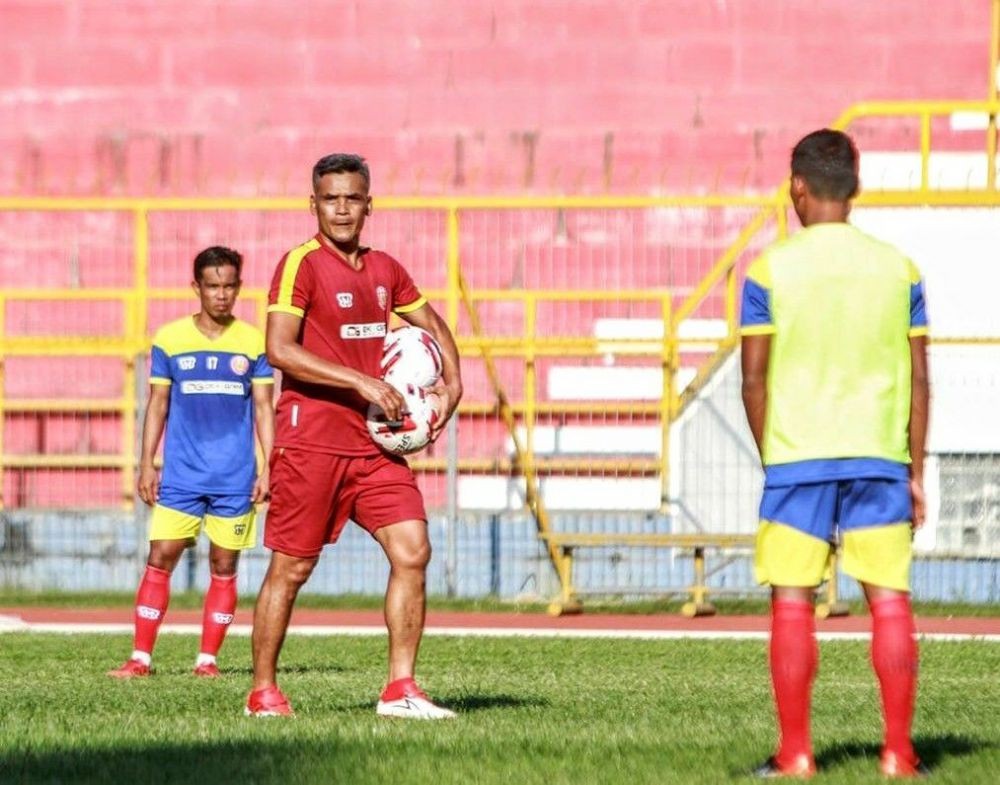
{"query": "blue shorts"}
(821, 509)
(800, 522)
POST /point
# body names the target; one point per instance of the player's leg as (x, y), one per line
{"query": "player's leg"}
(895, 658)
(389, 505)
(230, 524)
(174, 526)
(299, 522)
(286, 574)
(408, 549)
(791, 555)
(878, 552)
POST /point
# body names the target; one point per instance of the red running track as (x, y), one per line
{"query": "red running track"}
(947, 625)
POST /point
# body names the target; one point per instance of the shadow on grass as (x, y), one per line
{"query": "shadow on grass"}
(279, 761)
(286, 670)
(932, 750)
(468, 704)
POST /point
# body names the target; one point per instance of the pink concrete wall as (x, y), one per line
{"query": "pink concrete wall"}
(241, 96)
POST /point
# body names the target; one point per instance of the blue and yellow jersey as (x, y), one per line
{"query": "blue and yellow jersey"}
(209, 445)
(840, 307)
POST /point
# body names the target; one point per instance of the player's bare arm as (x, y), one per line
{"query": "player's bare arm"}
(920, 397)
(263, 412)
(755, 356)
(286, 353)
(152, 430)
(450, 387)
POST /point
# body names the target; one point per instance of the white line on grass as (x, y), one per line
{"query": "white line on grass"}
(7, 624)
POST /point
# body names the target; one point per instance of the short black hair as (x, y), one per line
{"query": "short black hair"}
(828, 161)
(339, 163)
(217, 256)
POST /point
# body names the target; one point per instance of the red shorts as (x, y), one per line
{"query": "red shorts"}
(314, 493)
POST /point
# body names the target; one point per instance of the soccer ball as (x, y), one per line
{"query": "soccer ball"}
(413, 432)
(410, 355)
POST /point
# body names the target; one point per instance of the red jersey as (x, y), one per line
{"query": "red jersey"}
(345, 315)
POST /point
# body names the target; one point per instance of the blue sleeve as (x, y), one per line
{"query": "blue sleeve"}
(262, 368)
(159, 366)
(756, 309)
(918, 308)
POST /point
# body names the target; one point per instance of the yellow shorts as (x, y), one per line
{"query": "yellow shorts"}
(230, 521)
(799, 523)
(876, 555)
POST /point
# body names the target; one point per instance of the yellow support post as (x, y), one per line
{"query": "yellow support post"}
(668, 400)
(925, 151)
(530, 382)
(699, 604)
(129, 413)
(453, 291)
(140, 282)
(732, 326)
(136, 340)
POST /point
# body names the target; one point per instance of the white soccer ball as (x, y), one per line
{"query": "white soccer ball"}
(421, 411)
(410, 355)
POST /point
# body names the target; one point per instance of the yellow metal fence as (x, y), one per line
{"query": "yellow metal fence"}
(450, 228)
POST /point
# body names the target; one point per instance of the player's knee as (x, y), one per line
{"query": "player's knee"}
(223, 567)
(164, 554)
(297, 571)
(412, 556)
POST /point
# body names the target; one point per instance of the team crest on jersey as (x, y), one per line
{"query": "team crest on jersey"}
(382, 295)
(345, 299)
(186, 363)
(239, 365)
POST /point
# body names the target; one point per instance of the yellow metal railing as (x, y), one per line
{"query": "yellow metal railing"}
(769, 213)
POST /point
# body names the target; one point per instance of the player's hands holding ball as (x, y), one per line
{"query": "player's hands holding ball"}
(449, 397)
(383, 395)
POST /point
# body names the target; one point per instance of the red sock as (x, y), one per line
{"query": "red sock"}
(220, 605)
(794, 656)
(894, 656)
(151, 602)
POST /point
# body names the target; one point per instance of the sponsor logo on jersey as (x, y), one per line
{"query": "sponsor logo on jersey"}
(368, 330)
(146, 612)
(345, 299)
(239, 365)
(222, 618)
(382, 295)
(198, 387)
(186, 363)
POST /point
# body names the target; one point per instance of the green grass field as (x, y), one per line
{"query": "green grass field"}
(532, 711)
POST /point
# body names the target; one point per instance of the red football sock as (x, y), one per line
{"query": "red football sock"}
(220, 605)
(151, 601)
(894, 656)
(794, 656)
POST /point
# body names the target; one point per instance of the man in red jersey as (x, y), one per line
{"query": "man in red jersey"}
(329, 307)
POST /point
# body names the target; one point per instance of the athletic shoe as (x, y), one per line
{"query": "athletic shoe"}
(403, 698)
(268, 702)
(130, 670)
(801, 767)
(897, 767)
(207, 670)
